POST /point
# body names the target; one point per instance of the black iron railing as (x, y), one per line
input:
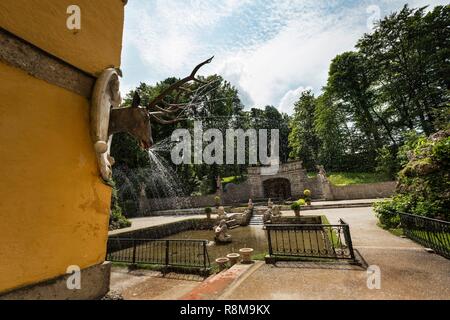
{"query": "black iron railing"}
(431, 233)
(166, 253)
(310, 241)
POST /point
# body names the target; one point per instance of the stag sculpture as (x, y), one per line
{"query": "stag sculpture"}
(136, 120)
(108, 118)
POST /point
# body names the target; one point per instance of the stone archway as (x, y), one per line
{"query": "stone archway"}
(277, 188)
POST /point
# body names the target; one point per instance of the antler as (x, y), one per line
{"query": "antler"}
(163, 107)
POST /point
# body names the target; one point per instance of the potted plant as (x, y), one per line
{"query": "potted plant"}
(296, 207)
(307, 194)
(217, 201)
(208, 211)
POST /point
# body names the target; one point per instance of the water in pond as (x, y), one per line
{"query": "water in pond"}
(243, 237)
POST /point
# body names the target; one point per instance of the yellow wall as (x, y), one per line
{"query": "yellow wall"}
(54, 209)
(95, 47)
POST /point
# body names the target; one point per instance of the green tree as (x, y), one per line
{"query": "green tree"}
(328, 125)
(303, 140)
(407, 58)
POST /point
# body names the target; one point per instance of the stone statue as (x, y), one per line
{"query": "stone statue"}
(321, 170)
(276, 211)
(221, 235)
(219, 184)
(267, 215)
(270, 203)
(221, 215)
(324, 183)
(250, 204)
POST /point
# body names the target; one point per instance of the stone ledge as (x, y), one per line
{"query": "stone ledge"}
(94, 285)
(217, 285)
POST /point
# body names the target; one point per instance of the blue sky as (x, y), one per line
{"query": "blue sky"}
(269, 50)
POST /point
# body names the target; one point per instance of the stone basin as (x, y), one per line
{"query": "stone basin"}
(234, 258)
(222, 262)
(246, 255)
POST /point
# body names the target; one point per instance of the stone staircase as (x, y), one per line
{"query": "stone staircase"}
(256, 220)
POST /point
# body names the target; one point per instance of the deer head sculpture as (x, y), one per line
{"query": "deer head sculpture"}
(136, 120)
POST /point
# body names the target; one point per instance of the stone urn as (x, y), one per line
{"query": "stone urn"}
(234, 258)
(246, 254)
(222, 262)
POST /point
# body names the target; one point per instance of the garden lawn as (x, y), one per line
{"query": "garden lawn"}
(348, 178)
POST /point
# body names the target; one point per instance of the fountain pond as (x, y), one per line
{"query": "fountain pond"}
(243, 237)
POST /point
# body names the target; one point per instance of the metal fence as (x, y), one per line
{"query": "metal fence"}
(167, 253)
(310, 240)
(431, 233)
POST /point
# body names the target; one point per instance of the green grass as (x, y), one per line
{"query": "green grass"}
(395, 231)
(325, 219)
(348, 178)
(229, 179)
(332, 235)
(233, 179)
(161, 268)
(436, 237)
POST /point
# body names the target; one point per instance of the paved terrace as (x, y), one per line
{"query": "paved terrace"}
(407, 270)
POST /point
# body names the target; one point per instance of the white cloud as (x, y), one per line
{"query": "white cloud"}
(166, 33)
(286, 104)
(268, 49)
(298, 56)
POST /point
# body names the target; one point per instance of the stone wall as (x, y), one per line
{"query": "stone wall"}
(292, 171)
(165, 230)
(363, 191)
(313, 184)
(94, 285)
(253, 188)
(297, 220)
(239, 193)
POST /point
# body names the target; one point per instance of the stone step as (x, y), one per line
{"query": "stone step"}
(256, 221)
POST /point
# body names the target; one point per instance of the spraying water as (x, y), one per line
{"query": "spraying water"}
(163, 180)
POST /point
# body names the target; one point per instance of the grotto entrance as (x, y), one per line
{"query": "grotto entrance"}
(277, 188)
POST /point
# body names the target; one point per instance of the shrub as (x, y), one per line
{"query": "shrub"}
(307, 193)
(116, 219)
(301, 202)
(423, 187)
(208, 211)
(387, 214)
(295, 206)
(387, 163)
